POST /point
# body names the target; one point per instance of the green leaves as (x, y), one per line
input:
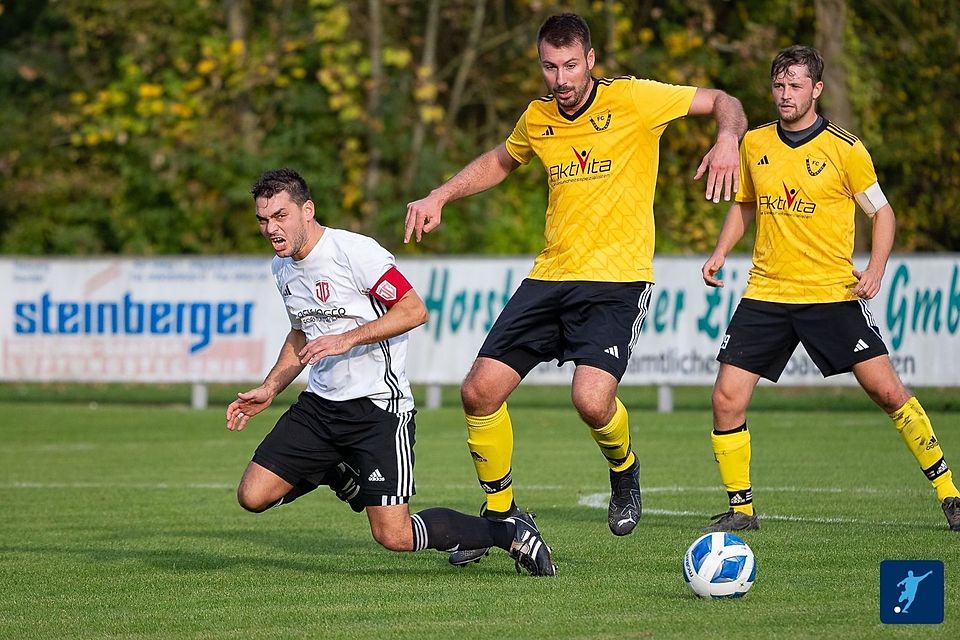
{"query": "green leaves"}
(140, 124)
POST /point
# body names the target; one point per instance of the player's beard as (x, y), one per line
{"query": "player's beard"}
(798, 113)
(575, 97)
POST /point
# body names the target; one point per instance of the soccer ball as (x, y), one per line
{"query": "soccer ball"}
(719, 565)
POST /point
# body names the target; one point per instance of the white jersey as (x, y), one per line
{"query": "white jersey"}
(328, 293)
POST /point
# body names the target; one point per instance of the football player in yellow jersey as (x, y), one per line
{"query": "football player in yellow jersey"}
(799, 178)
(586, 297)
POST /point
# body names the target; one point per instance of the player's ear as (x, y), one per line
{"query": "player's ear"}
(308, 210)
(817, 90)
(591, 59)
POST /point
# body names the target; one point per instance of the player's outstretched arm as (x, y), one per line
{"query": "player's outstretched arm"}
(722, 163)
(738, 219)
(408, 313)
(288, 367)
(484, 172)
(884, 229)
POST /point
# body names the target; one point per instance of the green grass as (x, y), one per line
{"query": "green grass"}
(119, 521)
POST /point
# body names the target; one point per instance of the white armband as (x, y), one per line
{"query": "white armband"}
(871, 200)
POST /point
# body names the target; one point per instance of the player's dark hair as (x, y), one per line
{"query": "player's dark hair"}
(276, 180)
(798, 55)
(565, 30)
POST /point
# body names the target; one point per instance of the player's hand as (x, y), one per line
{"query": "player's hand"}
(423, 216)
(710, 269)
(869, 283)
(324, 346)
(722, 167)
(247, 405)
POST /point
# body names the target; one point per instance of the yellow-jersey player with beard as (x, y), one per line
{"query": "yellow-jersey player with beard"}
(799, 179)
(601, 165)
(804, 195)
(588, 292)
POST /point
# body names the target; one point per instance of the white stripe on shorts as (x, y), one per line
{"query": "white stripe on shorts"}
(404, 456)
(868, 316)
(643, 304)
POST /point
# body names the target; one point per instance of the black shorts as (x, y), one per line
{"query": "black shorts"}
(316, 434)
(837, 335)
(589, 323)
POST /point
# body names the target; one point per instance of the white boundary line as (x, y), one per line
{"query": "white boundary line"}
(585, 500)
(600, 500)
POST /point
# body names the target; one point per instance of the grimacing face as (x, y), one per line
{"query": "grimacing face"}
(285, 224)
(794, 93)
(566, 72)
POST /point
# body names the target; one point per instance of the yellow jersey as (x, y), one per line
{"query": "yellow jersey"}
(601, 165)
(804, 194)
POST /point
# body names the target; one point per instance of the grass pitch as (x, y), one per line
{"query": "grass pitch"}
(119, 521)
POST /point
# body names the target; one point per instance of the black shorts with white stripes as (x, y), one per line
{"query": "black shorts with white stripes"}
(589, 323)
(837, 335)
(316, 434)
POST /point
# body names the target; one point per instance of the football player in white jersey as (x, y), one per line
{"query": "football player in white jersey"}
(350, 309)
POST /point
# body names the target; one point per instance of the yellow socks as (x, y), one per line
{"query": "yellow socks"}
(914, 427)
(731, 449)
(614, 440)
(490, 439)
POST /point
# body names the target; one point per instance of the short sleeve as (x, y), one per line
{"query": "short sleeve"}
(276, 265)
(747, 192)
(659, 103)
(368, 262)
(859, 169)
(518, 144)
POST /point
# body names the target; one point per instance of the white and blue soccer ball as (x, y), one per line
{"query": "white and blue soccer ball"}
(719, 565)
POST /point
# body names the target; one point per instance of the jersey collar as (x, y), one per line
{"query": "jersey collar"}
(586, 105)
(802, 141)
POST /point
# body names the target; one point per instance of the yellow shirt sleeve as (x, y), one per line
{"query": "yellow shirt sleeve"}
(859, 170)
(661, 103)
(518, 144)
(747, 192)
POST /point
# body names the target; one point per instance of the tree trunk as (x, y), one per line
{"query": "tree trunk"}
(466, 64)
(835, 102)
(237, 14)
(428, 69)
(372, 178)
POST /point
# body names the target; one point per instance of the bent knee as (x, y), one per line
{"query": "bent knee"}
(724, 402)
(393, 540)
(476, 399)
(252, 502)
(594, 411)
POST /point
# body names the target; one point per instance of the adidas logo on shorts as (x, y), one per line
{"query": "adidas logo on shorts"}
(376, 476)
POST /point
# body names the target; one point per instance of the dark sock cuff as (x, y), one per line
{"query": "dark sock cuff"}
(742, 427)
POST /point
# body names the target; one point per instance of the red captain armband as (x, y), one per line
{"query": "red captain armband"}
(390, 287)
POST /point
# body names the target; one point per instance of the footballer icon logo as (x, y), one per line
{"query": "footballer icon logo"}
(911, 591)
(323, 290)
(386, 291)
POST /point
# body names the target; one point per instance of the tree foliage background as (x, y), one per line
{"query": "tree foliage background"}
(137, 126)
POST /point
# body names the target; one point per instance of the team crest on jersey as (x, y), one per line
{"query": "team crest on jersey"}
(815, 165)
(601, 122)
(386, 291)
(323, 290)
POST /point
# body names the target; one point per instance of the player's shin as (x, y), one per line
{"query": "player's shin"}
(490, 439)
(448, 530)
(731, 449)
(914, 427)
(614, 440)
